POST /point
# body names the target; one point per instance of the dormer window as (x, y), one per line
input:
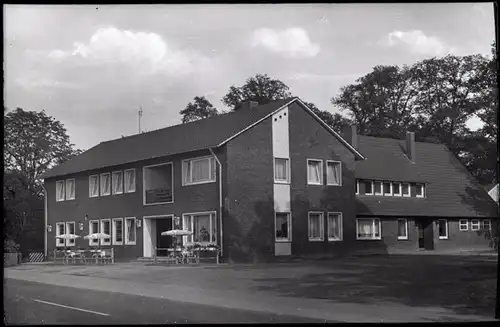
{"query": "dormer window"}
(396, 189)
(387, 188)
(368, 188)
(406, 189)
(377, 187)
(420, 190)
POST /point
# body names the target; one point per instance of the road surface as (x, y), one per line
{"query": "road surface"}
(36, 303)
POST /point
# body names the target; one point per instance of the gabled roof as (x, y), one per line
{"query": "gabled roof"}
(493, 193)
(450, 189)
(198, 135)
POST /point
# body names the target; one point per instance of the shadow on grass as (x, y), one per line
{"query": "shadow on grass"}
(465, 285)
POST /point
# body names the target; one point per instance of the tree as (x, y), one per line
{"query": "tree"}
(200, 108)
(336, 121)
(33, 143)
(260, 88)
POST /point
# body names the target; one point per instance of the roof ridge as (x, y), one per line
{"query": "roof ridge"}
(389, 138)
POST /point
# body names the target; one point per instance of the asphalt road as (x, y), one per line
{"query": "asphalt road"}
(36, 303)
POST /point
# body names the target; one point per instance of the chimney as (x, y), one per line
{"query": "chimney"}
(410, 146)
(246, 105)
(351, 135)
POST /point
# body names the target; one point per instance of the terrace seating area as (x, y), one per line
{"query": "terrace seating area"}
(84, 256)
(187, 254)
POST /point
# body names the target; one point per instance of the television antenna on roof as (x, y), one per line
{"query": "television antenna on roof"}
(140, 115)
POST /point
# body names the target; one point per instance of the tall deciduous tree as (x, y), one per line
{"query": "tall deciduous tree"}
(336, 121)
(200, 108)
(260, 88)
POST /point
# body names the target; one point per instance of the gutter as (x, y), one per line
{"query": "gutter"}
(220, 201)
(45, 214)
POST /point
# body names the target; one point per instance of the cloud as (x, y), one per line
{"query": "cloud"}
(146, 51)
(416, 41)
(293, 42)
(31, 81)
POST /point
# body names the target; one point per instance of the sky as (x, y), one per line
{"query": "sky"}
(93, 67)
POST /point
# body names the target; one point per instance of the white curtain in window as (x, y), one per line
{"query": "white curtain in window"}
(334, 226)
(130, 230)
(70, 189)
(187, 172)
(314, 172)
(280, 169)
(365, 228)
(117, 182)
(94, 185)
(333, 173)
(314, 226)
(105, 184)
(188, 226)
(201, 170)
(201, 226)
(130, 180)
(60, 190)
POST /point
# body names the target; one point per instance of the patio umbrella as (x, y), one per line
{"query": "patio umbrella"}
(176, 232)
(67, 236)
(97, 236)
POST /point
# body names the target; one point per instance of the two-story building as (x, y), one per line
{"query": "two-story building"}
(266, 181)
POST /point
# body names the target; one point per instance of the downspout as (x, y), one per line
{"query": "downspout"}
(220, 201)
(45, 214)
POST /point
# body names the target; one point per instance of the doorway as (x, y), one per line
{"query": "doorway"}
(152, 229)
(425, 234)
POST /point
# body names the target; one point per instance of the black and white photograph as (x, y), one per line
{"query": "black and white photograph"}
(250, 163)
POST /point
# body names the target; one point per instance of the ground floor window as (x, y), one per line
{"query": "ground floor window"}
(368, 229)
(60, 230)
(402, 229)
(70, 229)
(487, 224)
(443, 229)
(130, 231)
(316, 226)
(202, 225)
(93, 228)
(106, 229)
(475, 225)
(463, 225)
(334, 226)
(118, 231)
(282, 227)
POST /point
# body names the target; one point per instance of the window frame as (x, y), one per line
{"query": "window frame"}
(98, 186)
(472, 225)
(372, 188)
(125, 190)
(212, 224)
(280, 181)
(357, 187)
(489, 224)
(423, 190)
(400, 189)
(144, 184)
(101, 184)
(63, 183)
(446, 229)
(460, 224)
(409, 190)
(321, 182)
(96, 241)
(68, 241)
(126, 234)
(113, 182)
(390, 188)
(58, 245)
(381, 188)
(405, 237)
(340, 172)
(374, 238)
(212, 170)
(321, 226)
(113, 225)
(101, 223)
(289, 227)
(66, 189)
(341, 223)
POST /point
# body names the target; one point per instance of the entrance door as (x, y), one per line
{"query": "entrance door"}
(425, 235)
(163, 242)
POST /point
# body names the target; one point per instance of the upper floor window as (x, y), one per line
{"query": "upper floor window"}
(463, 225)
(387, 187)
(158, 184)
(406, 189)
(357, 187)
(487, 224)
(105, 184)
(60, 191)
(377, 185)
(117, 180)
(419, 190)
(368, 188)
(475, 224)
(314, 172)
(396, 189)
(333, 172)
(281, 170)
(70, 189)
(93, 186)
(198, 171)
(129, 180)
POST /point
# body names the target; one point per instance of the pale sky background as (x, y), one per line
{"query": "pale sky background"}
(92, 67)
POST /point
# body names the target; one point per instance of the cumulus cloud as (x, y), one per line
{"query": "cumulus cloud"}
(417, 42)
(293, 42)
(144, 50)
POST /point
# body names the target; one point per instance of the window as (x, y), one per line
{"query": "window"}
(377, 186)
(368, 229)
(368, 188)
(487, 224)
(129, 180)
(443, 229)
(334, 226)
(333, 173)
(60, 231)
(198, 171)
(357, 187)
(105, 184)
(202, 225)
(282, 227)
(93, 186)
(402, 229)
(406, 189)
(158, 184)
(316, 231)
(396, 189)
(387, 186)
(93, 228)
(130, 231)
(70, 229)
(60, 191)
(281, 170)
(314, 172)
(70, 189)
(475, 225)
(118, 231)
(420, 190)
(106, 229)
(463, 225)
(117, 180)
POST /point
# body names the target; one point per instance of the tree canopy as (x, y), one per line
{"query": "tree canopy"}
(199, 108)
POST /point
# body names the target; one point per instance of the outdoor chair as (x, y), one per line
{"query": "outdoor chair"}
(59, 255)
(107, 256)
(189, 256)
